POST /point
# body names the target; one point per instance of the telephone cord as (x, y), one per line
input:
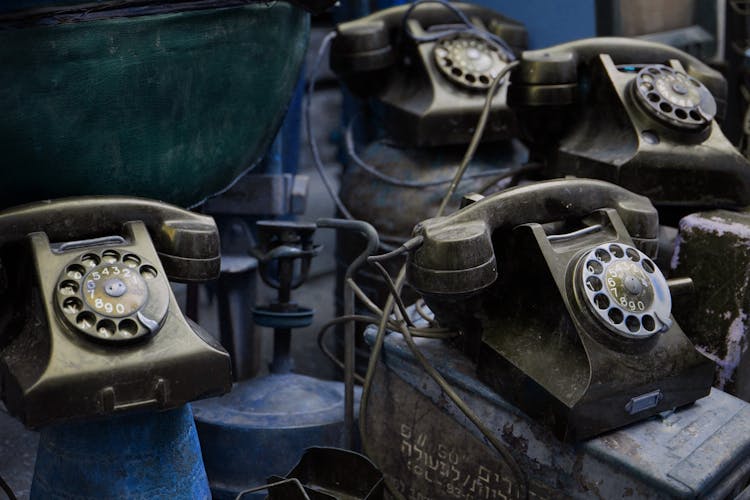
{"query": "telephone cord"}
(377, 346)
(5, 487)
(477, 137)
(317, 161)
(351, 152)
(470, 28)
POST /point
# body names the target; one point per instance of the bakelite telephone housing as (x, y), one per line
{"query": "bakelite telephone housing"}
(639, 114)
(429, 73)
(554, 289)
(89, 325)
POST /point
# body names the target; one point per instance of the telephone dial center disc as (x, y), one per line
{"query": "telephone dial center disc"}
(112, 296)
(674, 97)
(468, 60)
(625, 290)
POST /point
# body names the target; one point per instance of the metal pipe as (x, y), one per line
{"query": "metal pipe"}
(680, 286)
(373, 241)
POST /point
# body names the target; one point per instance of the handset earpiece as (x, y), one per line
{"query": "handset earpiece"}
(457, 257)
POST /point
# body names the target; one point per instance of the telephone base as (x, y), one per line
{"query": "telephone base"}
(428, 449)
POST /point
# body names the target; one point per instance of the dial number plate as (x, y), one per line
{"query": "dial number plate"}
(112, 296)
(115, 290)
(625, 290)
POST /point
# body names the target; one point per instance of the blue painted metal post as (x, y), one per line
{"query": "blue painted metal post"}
(144, 455)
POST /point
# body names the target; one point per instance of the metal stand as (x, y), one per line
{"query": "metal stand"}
(264, 424)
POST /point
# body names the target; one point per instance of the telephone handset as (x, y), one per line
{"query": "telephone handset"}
(89, 324)
(429, 70)
(565, 314)
(634, 113)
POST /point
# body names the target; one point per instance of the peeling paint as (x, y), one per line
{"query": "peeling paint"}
(676, 254)
(736, 345)
(714, 224)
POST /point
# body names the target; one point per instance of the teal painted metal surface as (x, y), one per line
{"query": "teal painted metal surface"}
(172, 107)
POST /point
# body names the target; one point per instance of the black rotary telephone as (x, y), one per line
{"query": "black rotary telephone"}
(554, 288)
(639, 114)
(89, 325)
(430, 69)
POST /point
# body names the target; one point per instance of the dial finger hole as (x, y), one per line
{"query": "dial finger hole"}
(75, 272)
(648, 322)
(593, 283)
(632, 323)
(681, 114)
(695, 116)
(616, 251)
(85, 320)
(128, 327)
(603, 255)
(148, 272)
(457, 72)
(648, 266)
(484, 80)
(633, 254)
(647, 87)
(647, 78)
(68, 287)
(105, 328)
(448, 62)
(110, 257)
(615, 315)
(470, 78)
(594, 267)
(131, 260)
(653, 97)
(90, 260)
(654, 71)
(601, 301)
(666, 107)
(72, 305)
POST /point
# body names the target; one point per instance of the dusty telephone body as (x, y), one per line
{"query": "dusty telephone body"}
(570, 322)
(429, 76)
(419, 115)
(639, 114)
(91, 330)
(530, 332)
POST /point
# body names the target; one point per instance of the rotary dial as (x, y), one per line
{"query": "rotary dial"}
(625, 290)
(469, 60)
(112, 296)
(674, 97)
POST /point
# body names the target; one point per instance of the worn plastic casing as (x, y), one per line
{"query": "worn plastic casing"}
(51, 373)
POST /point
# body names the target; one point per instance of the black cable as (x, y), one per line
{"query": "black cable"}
(471, 28)
(7, 489)
(477, 137)
(317, 161)
(351, 152)
(392, 289)
(508, 458)
(405, 247)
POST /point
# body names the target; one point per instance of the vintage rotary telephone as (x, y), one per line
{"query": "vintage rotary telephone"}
(429, 69)
(89, 325)
(635, 113)
(558, 300)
